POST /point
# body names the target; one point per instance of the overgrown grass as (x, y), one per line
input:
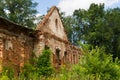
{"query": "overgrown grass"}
(94, 64)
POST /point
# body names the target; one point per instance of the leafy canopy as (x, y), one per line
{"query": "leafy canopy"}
(95, 26)
(22, 12)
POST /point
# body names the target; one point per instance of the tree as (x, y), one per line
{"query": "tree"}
(82, 22)
(113, 31)
(68, 22)
(95, 26)
(19, 11)
(72, 28)
(87, 21)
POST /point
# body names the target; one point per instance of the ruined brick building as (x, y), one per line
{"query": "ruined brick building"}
(17, 43)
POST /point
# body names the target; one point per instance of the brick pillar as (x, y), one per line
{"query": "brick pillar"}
(54, 60)
(22, 55)
(76, 57)
(1, 54)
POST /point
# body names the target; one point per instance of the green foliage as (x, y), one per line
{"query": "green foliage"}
(41, 68)
(8, 72)
(44, 64)
(95, 26)
(87, 21)
(68, 22)
(4, 78)
(19, 11)
(95, 64)
(28, 70)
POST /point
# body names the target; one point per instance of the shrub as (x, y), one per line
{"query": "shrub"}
(44, 64)
(4, 78)
(8, 73)
(28, 71)
(95, 64)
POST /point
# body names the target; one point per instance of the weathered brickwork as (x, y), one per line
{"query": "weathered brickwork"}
(51, 33)
(17, 43)
(15, 46)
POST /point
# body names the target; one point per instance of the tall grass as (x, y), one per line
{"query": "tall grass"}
(94, 64)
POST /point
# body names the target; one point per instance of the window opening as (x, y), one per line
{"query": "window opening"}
(46, 47)
(58, 57)
(74, 58)
(65, 56)
(56, 23)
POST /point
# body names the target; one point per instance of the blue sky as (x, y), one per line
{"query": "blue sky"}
(68, 6)
(44, 5)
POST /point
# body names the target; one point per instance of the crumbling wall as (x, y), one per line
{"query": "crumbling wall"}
(47, 39)
(16, 43)
(51, 33)
(72, 55)
(17, 48)
(39, 43)
(68, 54)
(53, 24)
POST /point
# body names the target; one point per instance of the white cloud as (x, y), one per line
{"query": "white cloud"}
(69, 6)
(38, 19)
(38, 15)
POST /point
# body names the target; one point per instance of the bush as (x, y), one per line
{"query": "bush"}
(95, 64)
(4, 78)
(41, 68)
(8, 73)
(28, 71)
(44, 64)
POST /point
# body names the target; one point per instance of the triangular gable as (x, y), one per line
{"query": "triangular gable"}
(52, 23)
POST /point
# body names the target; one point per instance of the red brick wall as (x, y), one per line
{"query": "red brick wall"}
(16, 50)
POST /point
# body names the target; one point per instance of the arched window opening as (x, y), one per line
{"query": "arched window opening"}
(46, 47)
(58, 61)
(74, 58)
(65, 56)
(56, 23)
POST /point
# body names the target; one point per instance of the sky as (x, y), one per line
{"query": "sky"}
(68, 6)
